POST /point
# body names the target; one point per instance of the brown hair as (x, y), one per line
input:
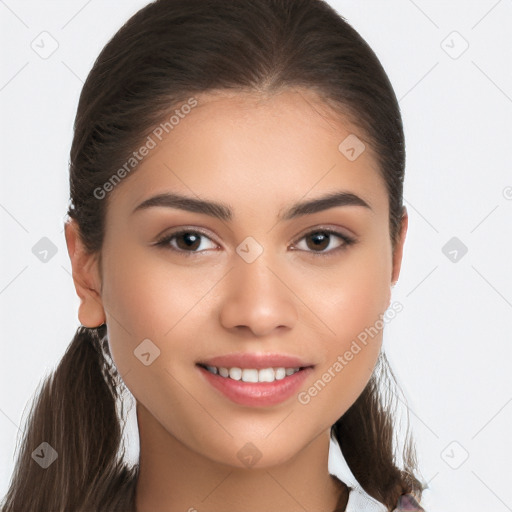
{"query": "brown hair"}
(162, 55)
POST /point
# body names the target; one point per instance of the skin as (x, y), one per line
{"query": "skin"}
(258, 154)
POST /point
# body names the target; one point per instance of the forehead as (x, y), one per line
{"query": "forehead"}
(255, 149)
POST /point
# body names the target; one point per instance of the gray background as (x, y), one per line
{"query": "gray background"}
(450, 346)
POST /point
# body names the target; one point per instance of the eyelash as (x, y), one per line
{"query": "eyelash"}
(347, 241)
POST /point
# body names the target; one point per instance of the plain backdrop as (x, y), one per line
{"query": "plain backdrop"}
(450, 65)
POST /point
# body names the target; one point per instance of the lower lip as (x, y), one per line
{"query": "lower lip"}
(257, 394)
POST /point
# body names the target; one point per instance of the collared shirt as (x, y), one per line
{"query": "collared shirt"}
(358, 499)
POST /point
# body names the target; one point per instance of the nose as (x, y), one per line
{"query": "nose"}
(258, 298)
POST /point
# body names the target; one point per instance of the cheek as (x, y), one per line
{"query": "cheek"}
(351, 302)
(148, 299)
(349, 358)
(148, 296)
(338, 384)
(144, 302)
(132, 300)
(349, 295)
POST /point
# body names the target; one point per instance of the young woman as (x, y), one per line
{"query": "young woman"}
(236, 225)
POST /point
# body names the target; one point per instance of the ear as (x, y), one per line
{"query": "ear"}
(399, 248)
(86, 277)
(398, 252)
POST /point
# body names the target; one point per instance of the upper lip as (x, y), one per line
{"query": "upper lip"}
(256, 361)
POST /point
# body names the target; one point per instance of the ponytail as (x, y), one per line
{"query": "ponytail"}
(76, 414)
(365, 435)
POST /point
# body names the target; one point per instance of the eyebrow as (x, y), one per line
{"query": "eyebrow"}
(223, 212)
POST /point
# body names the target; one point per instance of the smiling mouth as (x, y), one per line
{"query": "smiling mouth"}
(253, 375)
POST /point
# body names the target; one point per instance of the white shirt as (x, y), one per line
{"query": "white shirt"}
(358, 499)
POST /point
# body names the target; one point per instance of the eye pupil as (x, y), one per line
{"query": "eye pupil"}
(187, 236)
(321, 238)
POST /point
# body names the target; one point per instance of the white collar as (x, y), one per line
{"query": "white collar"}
(358, 500)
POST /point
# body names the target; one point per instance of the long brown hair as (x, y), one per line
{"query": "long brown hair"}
(162, 55)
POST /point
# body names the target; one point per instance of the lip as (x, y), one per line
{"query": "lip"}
(256, 361)
(257, 394)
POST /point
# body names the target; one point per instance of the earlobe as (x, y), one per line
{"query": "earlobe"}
(86, 278)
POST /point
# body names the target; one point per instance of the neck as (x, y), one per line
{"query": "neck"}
(174, 477)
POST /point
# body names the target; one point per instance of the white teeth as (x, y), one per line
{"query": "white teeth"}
(235, 373)
(252, 374)
(249, 375)
(266, 375)
(281, 373)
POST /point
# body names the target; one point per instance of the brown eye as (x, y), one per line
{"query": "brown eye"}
(190, 240)
(186, 242)
(321, 239)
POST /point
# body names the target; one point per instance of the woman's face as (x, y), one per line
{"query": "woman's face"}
(261, 279)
